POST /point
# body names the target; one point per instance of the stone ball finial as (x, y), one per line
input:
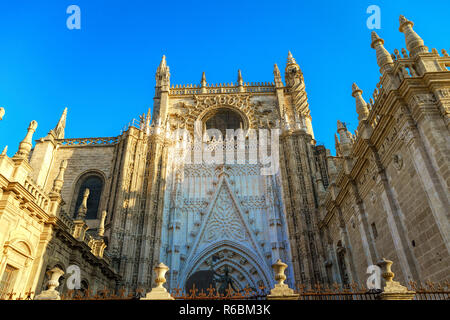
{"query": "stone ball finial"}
(2, 112)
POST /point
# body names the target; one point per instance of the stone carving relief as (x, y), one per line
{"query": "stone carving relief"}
(397, 161)
(224, 221)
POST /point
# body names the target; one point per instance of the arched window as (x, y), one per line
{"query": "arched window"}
(94, 183)
(223, 119)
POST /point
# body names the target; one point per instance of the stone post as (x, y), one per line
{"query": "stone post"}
(281, 291)
(26, 144)
(80, 226)
(392, 290)
(51, 294)
(159, 292)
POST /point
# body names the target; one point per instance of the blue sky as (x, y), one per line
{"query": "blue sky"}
(104, 73)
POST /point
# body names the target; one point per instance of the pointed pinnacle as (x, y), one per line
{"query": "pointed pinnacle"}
(239, 75)
(355, 89)
(290, 58)
(376, 38)
(203, 81)
(404, 21)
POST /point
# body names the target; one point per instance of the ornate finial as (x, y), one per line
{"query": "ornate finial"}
(361, 105)
(163, 62)
(160, 271)
(276, 71)
(163, 75)
(82, 210)
(5, 150)
(403, 20)
(239, 79)
(281, 290)
(340, 125)
(279, 268)
(101, 228)
(345, 143)
(51, 294)
(58, 183)
(414, 42)
(375, 37)
(290, 58)
(159, 292)
(277, 76)
(392, 290)
(355, 89)
(384, 59)
(25, 145)
(2, 112)
(203, 81)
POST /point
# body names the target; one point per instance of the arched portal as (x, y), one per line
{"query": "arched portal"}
(227, 260)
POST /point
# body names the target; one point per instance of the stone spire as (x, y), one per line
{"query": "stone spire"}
(293, 74)
(163, 75)
(58, 132)
(277, 76)
(82, 210)
(58, 183)
(101, 228)
(384, 59)
(345, 142)
(25, 145)
(414, 42)
(2, 113)
(361, 105)
(5, 150)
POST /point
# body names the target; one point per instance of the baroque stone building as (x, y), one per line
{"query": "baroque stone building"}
(117, 206)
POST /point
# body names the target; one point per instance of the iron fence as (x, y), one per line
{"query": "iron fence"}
(431, 291)
(428, 291)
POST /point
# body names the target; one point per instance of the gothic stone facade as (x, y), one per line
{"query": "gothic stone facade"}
(384, 194)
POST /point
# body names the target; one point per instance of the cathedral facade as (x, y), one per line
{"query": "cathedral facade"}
(117, 206)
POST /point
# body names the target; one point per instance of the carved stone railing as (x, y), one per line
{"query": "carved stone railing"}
(41, 198)
(221, 88)
(64, 218)
(79, 142)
